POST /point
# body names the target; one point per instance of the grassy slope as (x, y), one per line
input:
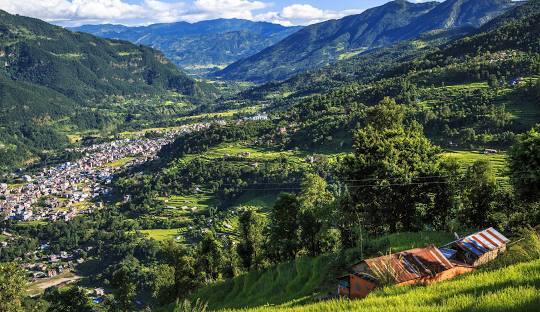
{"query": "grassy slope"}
(299, 281)
(466, 158)
(515, 288)
(162, 234)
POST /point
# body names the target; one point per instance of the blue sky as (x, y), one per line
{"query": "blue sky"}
(143, 12)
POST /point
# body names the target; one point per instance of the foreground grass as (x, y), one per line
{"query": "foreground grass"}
(515, 288)
(305, 279)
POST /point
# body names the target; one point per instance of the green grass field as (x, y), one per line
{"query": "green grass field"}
(184, 208)
(163, 234)
(467, 158)
(250, 153)
(119, 163)
(191, 203)
(514, 288)
(262, 202)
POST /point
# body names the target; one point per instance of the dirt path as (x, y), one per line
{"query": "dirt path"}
(38, 287)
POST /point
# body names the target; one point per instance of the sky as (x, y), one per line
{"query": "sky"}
(144, 12)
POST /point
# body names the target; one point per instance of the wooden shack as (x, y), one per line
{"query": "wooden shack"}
(419, 266)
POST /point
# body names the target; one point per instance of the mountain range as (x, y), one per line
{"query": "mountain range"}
(320, 44)
(199, 47)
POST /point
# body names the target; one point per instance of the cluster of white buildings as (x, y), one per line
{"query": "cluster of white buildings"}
(64, 191)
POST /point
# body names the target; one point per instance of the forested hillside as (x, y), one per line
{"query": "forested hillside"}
(199, 47)
(49, 74)
(321, 44)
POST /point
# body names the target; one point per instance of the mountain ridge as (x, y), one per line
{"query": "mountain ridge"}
(52, 79)
(205, 44)
(394, 21)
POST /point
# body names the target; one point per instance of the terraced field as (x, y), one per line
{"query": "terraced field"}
(185, 207)
(164, 234)
(466, 158)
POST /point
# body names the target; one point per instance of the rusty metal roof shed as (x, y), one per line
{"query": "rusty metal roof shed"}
(411, 264)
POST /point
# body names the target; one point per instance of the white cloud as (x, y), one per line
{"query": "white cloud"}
(303, 14)
(76, 12)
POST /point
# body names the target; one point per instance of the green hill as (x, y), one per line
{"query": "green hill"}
(475, 91)
(51, 80)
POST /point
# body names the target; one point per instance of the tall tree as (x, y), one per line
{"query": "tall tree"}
(284, 234)
(250, 248)
(161, 283)
(315, 212)
(389, 173)
(210, 256)
(182, 260)
(124, 288)
(524, 163)
(12, 287)
(479, 194)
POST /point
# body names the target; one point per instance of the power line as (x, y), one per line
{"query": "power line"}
(382, 179)
(360, 185)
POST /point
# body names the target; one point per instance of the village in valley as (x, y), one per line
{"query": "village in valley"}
(70, 189)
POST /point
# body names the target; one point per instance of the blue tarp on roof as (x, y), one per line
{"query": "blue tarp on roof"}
(448, 253)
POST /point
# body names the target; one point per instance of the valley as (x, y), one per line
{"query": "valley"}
(238, 165)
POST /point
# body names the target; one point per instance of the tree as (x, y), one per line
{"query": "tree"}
(73, 299)
(161, 283)
(493, 82)
(479, 194)
(315, 212)
(124, 289)
(250, 248)
(389, 175)
(284, 234)
(182, 260)
(210, 256)
(524, 163)
(12, 287)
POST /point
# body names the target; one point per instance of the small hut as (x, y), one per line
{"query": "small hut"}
(419, 266)
(478, 248)
(423, 266)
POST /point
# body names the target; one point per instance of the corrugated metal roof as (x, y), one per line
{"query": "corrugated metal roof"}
(410, 264)
(483, 242)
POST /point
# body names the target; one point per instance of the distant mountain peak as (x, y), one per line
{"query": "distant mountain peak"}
(320, 44)
(202, 46)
